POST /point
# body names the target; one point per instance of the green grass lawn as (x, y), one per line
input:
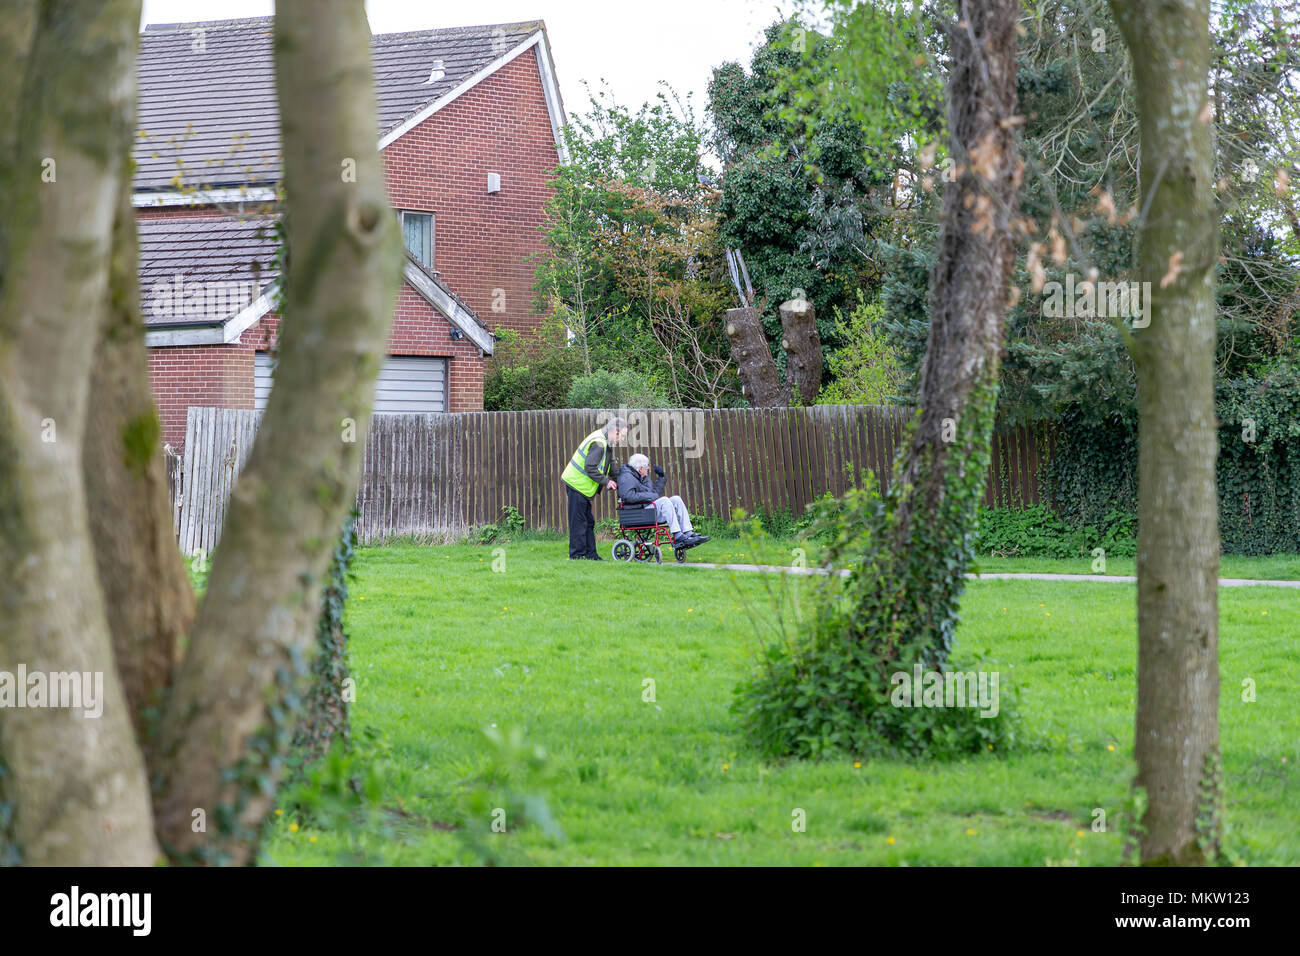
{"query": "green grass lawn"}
(731, 550)
(443, 646)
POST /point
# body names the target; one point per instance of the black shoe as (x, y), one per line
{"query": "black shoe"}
(698, 538)
(684, 540)
(596, 557)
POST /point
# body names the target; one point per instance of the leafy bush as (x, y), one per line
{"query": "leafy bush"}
(529, 372)
(1037, 532)
(511, 527)
(839, 697)
(626, 388)
(818, 694)
(867, 370)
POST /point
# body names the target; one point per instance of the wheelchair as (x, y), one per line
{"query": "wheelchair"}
(642, 536)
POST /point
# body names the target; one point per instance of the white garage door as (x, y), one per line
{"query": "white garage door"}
(407, 384)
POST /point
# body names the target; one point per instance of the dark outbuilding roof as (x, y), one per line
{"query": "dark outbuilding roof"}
(223, 261)
(208, 115)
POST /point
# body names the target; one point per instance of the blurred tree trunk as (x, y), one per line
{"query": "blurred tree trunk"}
(147, 591)
(76, 784)
(232, 711)
(1177, 734)
(74, 790)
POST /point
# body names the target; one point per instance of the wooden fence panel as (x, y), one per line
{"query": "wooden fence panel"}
(440, 475)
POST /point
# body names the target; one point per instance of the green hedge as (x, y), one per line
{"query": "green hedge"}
(1092, 476)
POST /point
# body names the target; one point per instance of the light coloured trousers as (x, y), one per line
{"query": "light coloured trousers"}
(672, 512)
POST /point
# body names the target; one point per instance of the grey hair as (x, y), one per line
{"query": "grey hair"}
(639, 461)
(614, 423)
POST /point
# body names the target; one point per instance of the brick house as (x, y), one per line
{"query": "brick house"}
(469, 131)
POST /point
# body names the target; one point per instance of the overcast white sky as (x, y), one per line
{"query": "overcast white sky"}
(633, 45)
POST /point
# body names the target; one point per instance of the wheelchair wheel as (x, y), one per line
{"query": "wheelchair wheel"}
(622, 550)
(657, 553)
(680, 553)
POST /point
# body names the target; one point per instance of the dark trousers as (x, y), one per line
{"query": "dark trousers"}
(582, 526)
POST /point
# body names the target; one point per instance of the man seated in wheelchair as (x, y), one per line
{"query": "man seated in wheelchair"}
(635, 487)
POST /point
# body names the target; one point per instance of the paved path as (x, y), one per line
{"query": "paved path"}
(1110, 578)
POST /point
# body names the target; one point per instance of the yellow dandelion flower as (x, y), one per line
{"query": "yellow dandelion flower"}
(726, 766)
(1079, 833)
(970, 832)
(856, 765)
(1110, 747)
(279, 813)
(293, 828)
(311, 839)
(889, 840)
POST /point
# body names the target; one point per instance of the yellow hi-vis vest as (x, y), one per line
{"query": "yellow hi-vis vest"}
(575, 472)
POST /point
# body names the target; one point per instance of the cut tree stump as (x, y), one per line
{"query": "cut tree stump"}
(754, 363)
(803, 350)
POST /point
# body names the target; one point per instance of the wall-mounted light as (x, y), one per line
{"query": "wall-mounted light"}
(494, 182)
(457, 335)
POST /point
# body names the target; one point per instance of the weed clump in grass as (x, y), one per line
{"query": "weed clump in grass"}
(869, 670)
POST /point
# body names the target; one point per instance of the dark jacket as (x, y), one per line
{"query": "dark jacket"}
(595, 453)
(635, 490)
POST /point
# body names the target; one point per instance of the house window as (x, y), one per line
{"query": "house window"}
(417, 231)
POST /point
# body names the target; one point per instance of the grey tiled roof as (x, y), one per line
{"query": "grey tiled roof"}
(219, 262)
(202, 252)
(208, 101)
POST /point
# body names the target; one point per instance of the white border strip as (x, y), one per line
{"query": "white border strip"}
(203, 197)
(554, 105)
(448, 306)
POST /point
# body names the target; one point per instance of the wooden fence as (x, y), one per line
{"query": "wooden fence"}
(433, 476)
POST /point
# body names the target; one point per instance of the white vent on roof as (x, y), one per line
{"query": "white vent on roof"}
(436, 74)
(494, 182)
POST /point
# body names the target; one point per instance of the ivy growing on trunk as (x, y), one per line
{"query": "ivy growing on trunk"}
(836, 690)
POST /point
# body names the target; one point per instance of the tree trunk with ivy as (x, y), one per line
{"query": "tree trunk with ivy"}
(324, 720)
(941, 472)
(1177, 733)
(912, 549)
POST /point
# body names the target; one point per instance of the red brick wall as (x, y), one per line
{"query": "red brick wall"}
(217, 375)
(482, 243)
(482, 240)
(222, 375)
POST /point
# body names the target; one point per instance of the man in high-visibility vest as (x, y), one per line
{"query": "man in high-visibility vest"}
(589, 469)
